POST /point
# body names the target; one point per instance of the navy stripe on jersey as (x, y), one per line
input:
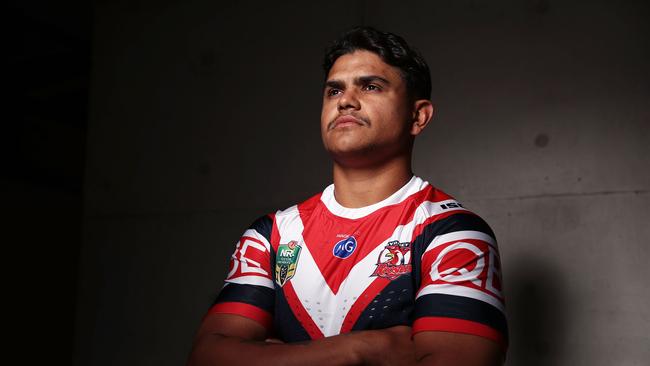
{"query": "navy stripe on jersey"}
(263, 225)
(259, 296)
(392, 306)
(460, 307)
(457, 222)
(291, 329)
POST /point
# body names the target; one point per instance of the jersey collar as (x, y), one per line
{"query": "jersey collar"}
(414, 185)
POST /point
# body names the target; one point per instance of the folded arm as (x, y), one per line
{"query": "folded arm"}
(225, 339)
(456, 349)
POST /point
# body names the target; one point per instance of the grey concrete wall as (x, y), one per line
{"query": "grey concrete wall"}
(205, 116)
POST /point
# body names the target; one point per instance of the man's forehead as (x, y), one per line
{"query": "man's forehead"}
(359, 64)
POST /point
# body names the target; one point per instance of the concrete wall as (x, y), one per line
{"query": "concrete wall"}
(205, 116)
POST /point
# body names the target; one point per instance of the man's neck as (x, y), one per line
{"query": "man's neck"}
(360, 187)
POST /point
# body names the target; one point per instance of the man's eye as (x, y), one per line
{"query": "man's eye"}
(372, 87)
(333, 92)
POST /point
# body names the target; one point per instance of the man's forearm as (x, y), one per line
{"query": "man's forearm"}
(345, 349)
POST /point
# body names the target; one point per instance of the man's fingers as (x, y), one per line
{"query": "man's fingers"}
(273, 340)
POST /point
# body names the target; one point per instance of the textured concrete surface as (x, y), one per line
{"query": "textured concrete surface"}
(204, 117)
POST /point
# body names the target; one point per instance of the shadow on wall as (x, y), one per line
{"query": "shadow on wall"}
(538, 311)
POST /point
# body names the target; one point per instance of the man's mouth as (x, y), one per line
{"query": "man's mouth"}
(347, 121)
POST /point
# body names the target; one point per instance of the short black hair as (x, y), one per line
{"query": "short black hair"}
(392, 49)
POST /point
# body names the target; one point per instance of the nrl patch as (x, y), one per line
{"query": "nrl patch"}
(286, 262)
(394, 260)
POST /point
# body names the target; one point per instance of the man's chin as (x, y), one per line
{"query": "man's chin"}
(348, 152)
(354, 157)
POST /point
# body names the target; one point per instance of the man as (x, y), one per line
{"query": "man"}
(380, 268)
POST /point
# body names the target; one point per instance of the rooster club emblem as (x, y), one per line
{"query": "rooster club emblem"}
(394, 260)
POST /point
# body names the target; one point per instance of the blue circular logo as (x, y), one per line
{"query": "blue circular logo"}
(345, 248)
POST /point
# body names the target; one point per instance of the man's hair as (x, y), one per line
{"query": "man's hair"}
(392, 49)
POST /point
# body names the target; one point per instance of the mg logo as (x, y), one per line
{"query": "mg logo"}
(345, 248)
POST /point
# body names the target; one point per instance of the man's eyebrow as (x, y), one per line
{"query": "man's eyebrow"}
(363, 80)
(337, 84)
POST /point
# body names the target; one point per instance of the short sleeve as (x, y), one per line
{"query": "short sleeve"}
(460, 289)
(249, 289)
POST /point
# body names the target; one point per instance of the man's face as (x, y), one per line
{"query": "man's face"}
(366, 111)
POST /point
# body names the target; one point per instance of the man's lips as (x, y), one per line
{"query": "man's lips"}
(346, 121)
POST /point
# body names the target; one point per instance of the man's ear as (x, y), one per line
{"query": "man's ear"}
(422, 114)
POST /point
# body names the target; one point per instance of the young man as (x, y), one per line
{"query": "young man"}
(378, 269)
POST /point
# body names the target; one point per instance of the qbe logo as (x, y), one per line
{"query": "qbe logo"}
(468, 263)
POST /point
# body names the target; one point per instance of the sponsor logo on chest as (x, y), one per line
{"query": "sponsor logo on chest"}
(345, 247)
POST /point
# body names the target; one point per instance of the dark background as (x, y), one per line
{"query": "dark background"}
(47, 54)
(142, 137)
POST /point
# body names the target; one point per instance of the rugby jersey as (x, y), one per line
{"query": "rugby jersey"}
(416, 258)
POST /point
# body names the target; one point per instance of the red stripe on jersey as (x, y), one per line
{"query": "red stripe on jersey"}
(246, 310)
(309, 205)
(301, 313)
(439, 195)
(369, 232)
(458, 326)
(362, 303)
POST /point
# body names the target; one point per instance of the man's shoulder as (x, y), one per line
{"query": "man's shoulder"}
(445, 213)
(304, 206)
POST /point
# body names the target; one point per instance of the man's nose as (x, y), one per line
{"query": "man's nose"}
(349, 100)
